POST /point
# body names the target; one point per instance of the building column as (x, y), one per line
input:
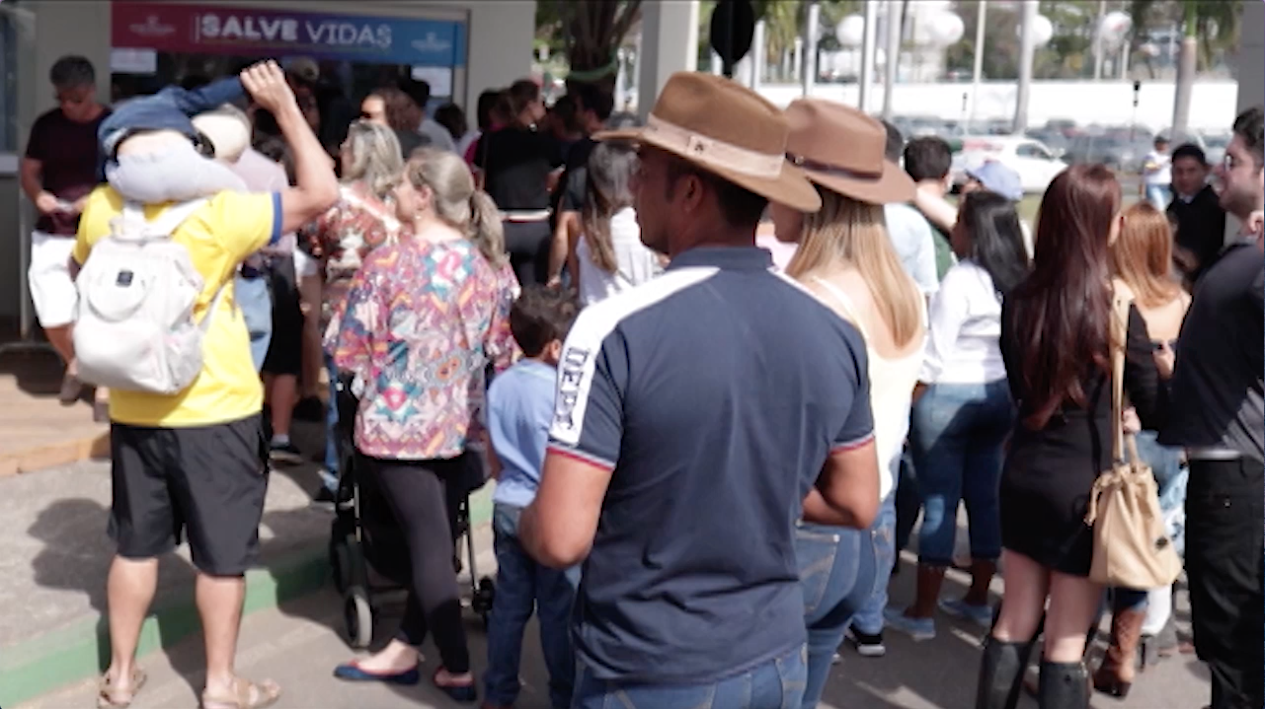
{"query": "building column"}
(1251, 59)
(669, 43)
(1250, 63)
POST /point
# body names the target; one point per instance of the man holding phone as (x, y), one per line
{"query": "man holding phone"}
(58, 171)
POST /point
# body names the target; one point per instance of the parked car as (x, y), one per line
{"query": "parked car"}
(1052, 138)
(1114, 150)
(1035, 163)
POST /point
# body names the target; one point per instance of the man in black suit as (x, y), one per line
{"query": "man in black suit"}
(1196, 212)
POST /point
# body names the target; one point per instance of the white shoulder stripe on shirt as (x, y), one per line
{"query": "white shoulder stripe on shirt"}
(594, 324)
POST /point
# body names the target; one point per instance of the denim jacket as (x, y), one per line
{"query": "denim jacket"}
(169, 109)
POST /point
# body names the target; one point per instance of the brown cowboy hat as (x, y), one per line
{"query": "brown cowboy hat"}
(842, 149)
(726, 129)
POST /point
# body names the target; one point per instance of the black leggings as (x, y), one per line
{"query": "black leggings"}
(528, 244)
(416, 493)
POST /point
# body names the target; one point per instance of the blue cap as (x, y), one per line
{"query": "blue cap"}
(996, 177)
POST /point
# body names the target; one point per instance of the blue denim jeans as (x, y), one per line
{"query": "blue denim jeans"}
(956, 433)
(776, 684)
(1159, 196)
(869, 619)
(908, 500)
(836, 573)
(256, 304)
(521, 586)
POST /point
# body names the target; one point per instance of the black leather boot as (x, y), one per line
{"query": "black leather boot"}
(1064, 685)
(1000, 670)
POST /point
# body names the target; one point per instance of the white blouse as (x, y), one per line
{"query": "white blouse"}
(965, 325)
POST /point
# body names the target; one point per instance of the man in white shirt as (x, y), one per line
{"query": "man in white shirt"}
(1157, 174)
(909, 231)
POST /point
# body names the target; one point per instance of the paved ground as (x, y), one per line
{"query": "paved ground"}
(299, 643)
(36, 431)
(55, 552)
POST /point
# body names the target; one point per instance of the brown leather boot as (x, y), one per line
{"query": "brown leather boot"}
(930, 578)
(1115, 674)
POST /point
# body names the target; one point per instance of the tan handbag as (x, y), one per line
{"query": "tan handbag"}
(1131, 547)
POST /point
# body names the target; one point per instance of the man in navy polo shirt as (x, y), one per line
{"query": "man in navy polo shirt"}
(696, 416)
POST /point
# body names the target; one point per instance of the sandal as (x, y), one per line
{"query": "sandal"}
(247, 695)
(111, 697)
(464, 693)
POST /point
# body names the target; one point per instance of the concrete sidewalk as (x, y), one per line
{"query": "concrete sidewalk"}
(299, 644)
(36, 430)
(55, 555)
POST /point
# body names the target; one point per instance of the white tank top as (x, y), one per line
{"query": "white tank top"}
(892, 384)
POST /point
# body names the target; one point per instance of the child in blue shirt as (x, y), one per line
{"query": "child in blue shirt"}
(519, 411)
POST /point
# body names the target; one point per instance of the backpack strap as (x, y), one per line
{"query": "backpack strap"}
(164, 225)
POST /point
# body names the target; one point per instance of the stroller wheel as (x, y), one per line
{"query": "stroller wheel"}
(358, 615)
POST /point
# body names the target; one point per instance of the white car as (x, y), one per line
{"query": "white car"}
(1035, 163)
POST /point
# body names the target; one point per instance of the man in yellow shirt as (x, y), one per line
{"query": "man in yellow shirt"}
(196, 461)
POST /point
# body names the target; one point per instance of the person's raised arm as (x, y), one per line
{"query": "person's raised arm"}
(936, 209)
(316, 188)
(191, 102)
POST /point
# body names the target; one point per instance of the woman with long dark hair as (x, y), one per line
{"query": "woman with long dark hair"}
(1056, 344)
(608, 256)
(962, 411)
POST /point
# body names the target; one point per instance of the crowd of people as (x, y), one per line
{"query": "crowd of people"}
(708, 453)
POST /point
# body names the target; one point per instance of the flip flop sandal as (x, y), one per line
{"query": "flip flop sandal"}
(111, 697)
(247, 695)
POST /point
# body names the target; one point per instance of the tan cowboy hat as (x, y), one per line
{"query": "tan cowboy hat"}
(842, 149)
(726, 129)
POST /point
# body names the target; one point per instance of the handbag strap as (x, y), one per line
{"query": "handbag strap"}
(1120, 303)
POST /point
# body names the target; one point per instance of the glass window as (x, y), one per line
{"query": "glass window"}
(8, 83)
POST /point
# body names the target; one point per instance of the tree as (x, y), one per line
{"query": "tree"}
(589, 33)
(1207, 25)
(1213, 24)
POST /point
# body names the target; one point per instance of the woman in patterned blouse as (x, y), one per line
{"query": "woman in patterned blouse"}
(424, 318)
(362, 220)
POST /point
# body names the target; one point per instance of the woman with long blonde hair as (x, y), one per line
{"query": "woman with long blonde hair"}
(340, 239)
(1142, 257)
(846, 259)
(424, 318)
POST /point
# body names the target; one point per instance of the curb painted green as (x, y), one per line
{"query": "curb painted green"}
(81, 651)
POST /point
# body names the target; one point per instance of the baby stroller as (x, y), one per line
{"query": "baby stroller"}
(364, 538)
